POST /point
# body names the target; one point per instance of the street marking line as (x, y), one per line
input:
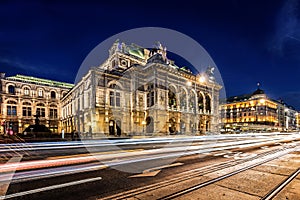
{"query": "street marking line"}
(155, 170)
(4, 186)
(50, 188)
(147, 174)
(162, 167)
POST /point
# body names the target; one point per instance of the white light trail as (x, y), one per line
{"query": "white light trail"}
(53, 187)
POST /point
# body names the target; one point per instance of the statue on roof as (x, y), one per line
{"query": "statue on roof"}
(159, 49)
(210, 73)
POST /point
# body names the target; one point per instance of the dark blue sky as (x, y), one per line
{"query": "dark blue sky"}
(250, 41)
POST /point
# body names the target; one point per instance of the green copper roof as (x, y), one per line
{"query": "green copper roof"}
(40, 81)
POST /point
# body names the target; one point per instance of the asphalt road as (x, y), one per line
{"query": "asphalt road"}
(99, 169)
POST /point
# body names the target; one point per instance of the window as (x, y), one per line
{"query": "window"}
(182, 99)
(26, 91)
(11, 110)
(172, 97)
(40, 110)
(192, 101)
(200, 102)
(115, 96)
(53, 113)
(207, 103)
(150, 98)
(26, 111)
(53, 95)
(40, 93)
(11, 89)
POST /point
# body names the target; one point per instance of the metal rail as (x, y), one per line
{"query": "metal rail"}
(196, 187)
(193, 174)
(280, 186)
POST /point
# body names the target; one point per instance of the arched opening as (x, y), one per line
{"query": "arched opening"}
(118, 127)
(149, 125)
(183, 99)
(192, 102)
(11, 89)
(172, 125)
(207, 103)
(200, 102)
(112, 127)
(172, 98)
(53, 95)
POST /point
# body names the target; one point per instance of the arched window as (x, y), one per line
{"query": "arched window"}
(40, 110)
(114, 95)
(11, 89)
(208, 103)
(192, 102)
(53, 95)
(200, 102)
(172, 97)
(26, 91)
(11, 108)
(183, 102)
(26, 109)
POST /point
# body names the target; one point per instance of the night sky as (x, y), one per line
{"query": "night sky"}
(250, 41)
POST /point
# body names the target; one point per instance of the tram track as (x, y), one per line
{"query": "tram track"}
(270, 195)
(203, 171)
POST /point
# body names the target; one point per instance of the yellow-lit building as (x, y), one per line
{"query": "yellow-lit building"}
(140, 91)
(252, 112)
(22, 97)
(298, 120)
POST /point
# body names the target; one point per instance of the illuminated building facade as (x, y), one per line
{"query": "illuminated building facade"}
(298, 120)
(139, 91)
(22, 97)
(252, 112)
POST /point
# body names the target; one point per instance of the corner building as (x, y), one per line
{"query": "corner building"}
(22, 97)
(137, 91)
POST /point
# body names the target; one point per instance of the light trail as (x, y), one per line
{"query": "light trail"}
(19, 194)
(27, 165)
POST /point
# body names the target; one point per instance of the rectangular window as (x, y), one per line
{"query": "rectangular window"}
(118, 103)
(41, 112)
(40, 93)
(12, 110)
(53, 113)
(150, 99)
(26, 111)
(111, 99)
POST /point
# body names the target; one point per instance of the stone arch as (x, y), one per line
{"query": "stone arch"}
(114, 82)
(53, 94)
(183, 98)
(172, 99)
(200, 102)
(207, 103)
(11, 88)
(172, 125)
(149, 124)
